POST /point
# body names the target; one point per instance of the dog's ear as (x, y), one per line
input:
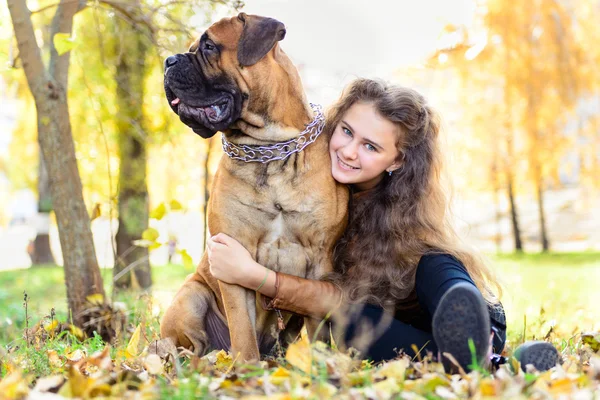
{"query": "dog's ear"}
(194, 46)
(258, 38)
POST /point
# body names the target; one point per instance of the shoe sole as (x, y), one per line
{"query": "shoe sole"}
(542, 355)
(462, 314)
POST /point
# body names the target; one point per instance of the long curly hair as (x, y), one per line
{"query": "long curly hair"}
(405, 215)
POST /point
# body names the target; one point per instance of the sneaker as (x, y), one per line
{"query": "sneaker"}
(462, 314)
(542, 355)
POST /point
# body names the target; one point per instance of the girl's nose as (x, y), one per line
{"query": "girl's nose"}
(349, 151)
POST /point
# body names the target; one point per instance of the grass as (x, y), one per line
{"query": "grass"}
(550, 291)
(553, 296)
(46, 290)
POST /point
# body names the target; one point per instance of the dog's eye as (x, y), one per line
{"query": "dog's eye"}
(209, 46)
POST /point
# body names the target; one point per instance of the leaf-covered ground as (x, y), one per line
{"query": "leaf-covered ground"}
(42, 356)
(49, 364)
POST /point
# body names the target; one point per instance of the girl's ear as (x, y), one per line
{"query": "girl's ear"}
(397, 164)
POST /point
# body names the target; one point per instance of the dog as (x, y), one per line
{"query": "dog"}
(273, 190)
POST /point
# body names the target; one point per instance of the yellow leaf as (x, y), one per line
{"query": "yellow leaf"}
(325, 390)
(54, 359)
(14, 386)
(386, 387)
(150, 234)
(75, 356)
(78, 333)
(96, 299)
(174, 205)
(159, 212)
(299, 355)
(186, 259)
(63, 42)
(132, 348)
(487, 387)
(562, 386)
(393, 369)
(279, 376)
(51, 327)
(223, 361)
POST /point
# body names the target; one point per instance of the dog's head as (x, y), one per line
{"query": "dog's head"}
(228, 77)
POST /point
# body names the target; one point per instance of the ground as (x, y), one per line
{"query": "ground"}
(548, 297)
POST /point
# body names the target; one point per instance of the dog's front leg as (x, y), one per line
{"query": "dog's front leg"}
(240, 310)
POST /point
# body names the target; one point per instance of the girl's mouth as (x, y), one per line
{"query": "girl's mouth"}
(345, 166)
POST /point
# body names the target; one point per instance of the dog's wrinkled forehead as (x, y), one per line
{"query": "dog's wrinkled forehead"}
(247, 37)
(225, 33)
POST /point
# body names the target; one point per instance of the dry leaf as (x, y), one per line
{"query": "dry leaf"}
(132, 348)
(14, 386)
(54, 359)
(153, 364)
(49, 383)
(299, 355)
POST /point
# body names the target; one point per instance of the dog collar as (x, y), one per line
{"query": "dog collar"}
(278, 151)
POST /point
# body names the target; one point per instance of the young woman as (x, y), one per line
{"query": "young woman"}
(399, 257)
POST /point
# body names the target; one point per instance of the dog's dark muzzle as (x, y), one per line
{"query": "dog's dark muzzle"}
(205, 105)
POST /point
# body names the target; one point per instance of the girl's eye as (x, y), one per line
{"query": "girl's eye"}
(370, 147)
(347, 131)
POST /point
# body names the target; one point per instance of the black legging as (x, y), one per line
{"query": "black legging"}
(435, 275)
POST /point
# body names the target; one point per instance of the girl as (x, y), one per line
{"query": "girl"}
(399, 258)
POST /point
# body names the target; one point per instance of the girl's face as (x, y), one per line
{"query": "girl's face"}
(363, 147)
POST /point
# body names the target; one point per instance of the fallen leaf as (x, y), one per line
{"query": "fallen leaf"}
(54, 359)
(49, 383)
(223, 361)
(75, 356)
(14, 386)
(299, 355)
(591, 339)
(153, 364)
(132, 347)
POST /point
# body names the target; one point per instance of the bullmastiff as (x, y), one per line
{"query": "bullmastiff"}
(273, 190)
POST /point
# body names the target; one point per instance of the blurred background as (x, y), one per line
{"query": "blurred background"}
(517, 84)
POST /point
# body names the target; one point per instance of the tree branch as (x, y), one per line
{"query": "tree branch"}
(29, 50)
(62, 22)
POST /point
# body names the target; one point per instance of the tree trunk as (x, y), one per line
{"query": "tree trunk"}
(132, 261)
(49, 89)
(542, 213)
(514, 214)
(41, 245)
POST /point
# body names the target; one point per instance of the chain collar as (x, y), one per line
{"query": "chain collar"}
(277, 151)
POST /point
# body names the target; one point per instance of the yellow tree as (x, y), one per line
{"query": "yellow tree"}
(529, 51)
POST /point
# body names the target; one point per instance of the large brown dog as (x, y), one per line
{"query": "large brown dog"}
(281, 203)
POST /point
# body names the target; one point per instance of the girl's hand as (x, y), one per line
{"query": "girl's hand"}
(230, 261)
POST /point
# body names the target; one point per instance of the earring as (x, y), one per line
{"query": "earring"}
(390, 173)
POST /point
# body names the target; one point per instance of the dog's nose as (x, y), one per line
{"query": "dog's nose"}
(170, 61)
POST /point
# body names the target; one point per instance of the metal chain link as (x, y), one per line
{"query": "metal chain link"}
(278, 151)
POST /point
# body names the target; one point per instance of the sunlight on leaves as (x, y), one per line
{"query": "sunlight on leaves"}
(159, 212)
(150, 234)
(186, 259)
(63, 42)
